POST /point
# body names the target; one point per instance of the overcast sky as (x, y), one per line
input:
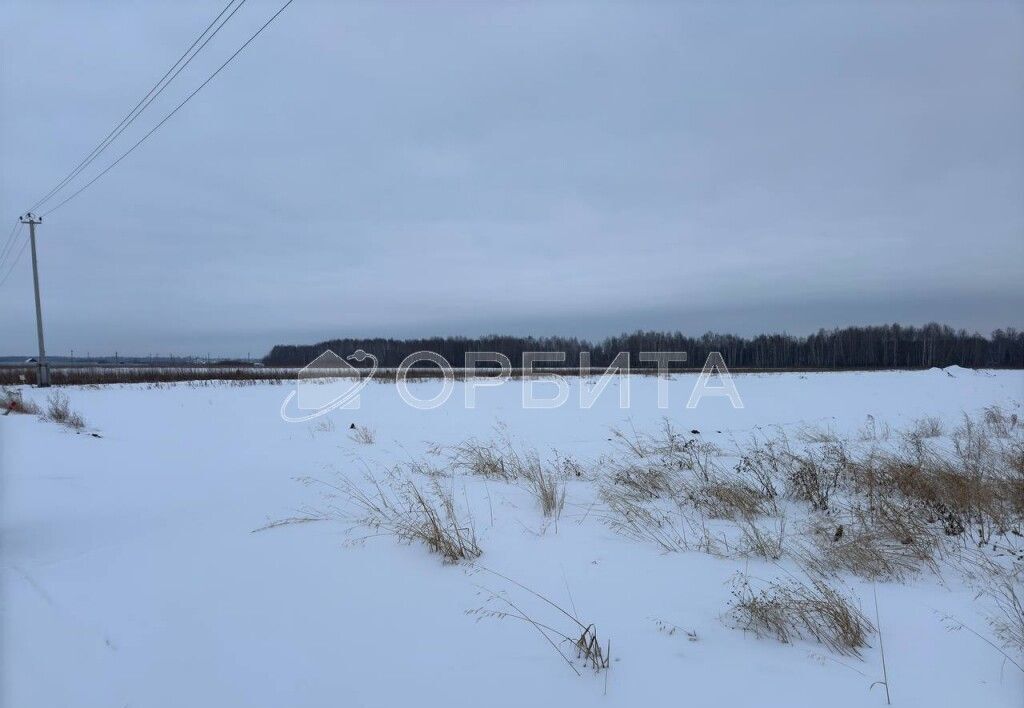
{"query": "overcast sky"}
(583, 169)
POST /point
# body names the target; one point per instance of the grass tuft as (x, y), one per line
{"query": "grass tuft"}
(58, 410)
(363, 434)
(792, 608)
(400, 507)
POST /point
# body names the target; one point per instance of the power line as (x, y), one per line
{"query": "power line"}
(137, 111)
(8, 244)
(144, 102)
(14, 263)
(175, 110)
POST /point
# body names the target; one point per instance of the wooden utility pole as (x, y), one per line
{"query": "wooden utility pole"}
(42, 369)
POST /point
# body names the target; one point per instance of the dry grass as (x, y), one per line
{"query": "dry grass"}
(880, 509)
(58, 407)
(812, 475)
(324, 425)
(58, 410)
(896, 503)
(500, 459)
(672, 528)
(547, 488)
(902, 501)
(813, 434)
(761, 462)
(764, 540)
(999, 584)
(655, 460)
(888, 540)
(671, 466)
(589, 649)
(646, 481)
(663, 488)
(1000, 423)
(1007, 619)
(873, 508)
(815, 476)
(791, 608)
(400, 507)
(971, 486)
(484, 459)
(581, 636)
(142, 374)
(569, 466)
(727, 498)
(363, 434)
(640, 521)
(908, 506)
(928, 427)
(12, 401)
(862, 552)
(873, 431)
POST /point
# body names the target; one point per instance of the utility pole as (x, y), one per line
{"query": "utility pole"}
(42, 369)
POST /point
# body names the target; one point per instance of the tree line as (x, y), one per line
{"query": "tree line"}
(869, 347)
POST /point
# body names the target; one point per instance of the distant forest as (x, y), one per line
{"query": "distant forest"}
(875, 347)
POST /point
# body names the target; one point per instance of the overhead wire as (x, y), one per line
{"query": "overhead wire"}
(15, 262)
(8, 244)
(157, 89)
(174, 110)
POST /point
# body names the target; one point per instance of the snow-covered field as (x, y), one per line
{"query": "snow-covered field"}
(133, 574)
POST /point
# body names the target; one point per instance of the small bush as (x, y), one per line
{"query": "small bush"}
(76, 421)
(815, 476)
(58, 407)
(761, 463)
(58, 410)
(569, 465)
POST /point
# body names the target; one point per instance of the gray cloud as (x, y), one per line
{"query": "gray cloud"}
(406, 169)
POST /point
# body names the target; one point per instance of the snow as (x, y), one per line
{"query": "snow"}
(132, 575)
